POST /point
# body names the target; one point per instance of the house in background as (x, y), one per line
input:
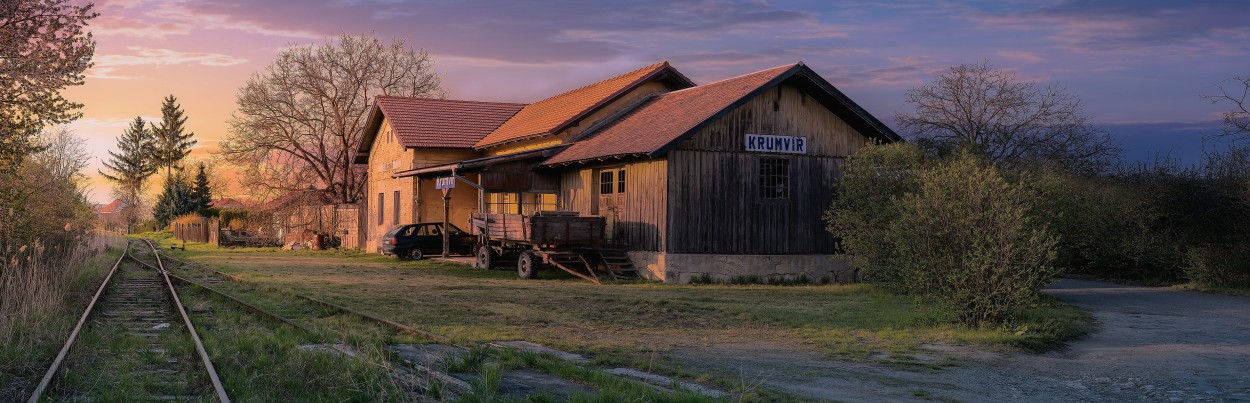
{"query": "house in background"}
(109, 217)
(719, 180)
(227, 204)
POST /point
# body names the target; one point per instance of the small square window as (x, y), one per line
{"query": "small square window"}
(774, 178)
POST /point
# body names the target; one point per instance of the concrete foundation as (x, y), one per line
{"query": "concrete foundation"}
(686, 268)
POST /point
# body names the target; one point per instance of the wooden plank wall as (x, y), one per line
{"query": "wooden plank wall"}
(795, 114)
(715, 205)
(642, 224)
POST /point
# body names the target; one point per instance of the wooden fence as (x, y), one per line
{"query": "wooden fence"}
(203, 231)
(343, 221)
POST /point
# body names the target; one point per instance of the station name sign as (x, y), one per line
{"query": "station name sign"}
(446, 182)
(768, 143)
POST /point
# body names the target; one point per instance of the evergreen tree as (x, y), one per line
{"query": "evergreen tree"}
(172, 143)
(130, 167)
(174, 201)
(201, 192)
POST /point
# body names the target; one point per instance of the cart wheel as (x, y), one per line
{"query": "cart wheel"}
(416, 254)
(485, 257)
(527, 265)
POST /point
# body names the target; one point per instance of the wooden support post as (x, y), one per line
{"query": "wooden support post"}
(446, 214)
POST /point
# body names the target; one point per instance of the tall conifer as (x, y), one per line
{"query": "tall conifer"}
(174, 201)
(172, 141)
(201, 192)
(130, 166)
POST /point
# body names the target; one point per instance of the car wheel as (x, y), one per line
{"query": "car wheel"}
(485, 257)
(527, 265)
(416, 254)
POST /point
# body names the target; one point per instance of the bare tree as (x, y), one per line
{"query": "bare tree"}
(991, 112)
(43, 49)
(1237, 120)
(64, 154)
(299, 123)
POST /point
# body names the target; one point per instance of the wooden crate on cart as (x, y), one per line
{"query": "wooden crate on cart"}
(563, 239)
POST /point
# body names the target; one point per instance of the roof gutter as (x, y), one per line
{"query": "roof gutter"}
(479, 163)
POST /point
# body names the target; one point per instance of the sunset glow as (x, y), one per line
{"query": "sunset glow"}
(1139, 66)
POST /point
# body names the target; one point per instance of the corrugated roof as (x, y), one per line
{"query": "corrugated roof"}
(425, 122)
(551, 115)
(666, 118)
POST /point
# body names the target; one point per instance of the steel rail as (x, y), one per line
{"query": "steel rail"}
(389, 323)
(199, 345)
(252, 308)
(73, 335)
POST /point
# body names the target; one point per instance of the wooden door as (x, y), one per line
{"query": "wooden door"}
(611, 191)
(612, 199)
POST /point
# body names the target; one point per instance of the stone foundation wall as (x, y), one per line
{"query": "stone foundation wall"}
(684, 268)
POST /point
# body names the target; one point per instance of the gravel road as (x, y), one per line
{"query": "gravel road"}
(1152, 344)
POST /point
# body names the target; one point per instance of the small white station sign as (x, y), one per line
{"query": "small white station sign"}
(446, 182)
(768, 143)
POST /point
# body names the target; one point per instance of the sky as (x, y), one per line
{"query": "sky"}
(1140, 66)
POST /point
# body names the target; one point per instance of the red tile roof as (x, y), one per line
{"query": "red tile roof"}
(303, 198)
(553, 114)
(111, 207)
(424, 122)
(668, 117)
(227, 204)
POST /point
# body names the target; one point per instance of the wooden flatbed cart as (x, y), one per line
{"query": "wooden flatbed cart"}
(561, 239)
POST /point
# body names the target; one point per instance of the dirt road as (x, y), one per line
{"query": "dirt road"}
(1153, 344)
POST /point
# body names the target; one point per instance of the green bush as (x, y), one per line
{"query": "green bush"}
(953, 231)
(1109, 228)
(864, 205)
(228, 217)
(1221, 266)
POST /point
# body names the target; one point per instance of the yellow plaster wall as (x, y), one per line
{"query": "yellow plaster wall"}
(385, 158)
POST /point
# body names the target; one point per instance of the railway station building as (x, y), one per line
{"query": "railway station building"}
(725, 179)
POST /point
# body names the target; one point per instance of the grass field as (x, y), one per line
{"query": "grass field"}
(625, 323)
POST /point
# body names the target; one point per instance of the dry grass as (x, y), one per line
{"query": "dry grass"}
(37, 279)
(43, 289)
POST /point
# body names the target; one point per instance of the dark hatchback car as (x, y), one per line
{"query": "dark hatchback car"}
(414, 241)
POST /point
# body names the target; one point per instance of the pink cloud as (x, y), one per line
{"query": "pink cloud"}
(115, 25)
(1021, 55)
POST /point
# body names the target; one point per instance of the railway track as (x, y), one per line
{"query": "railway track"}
(134, 341)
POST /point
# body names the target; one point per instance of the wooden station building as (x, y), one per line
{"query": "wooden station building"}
(724, 179)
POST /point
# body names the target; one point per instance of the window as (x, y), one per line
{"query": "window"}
(519, 203)
(502, 203)
(774, 178)
(396, 208)
(611, 180)
(605, 182)
(381, 207)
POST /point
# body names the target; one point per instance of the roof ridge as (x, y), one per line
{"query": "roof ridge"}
(653, 66)
(447, 100)
(737, 77)
(555, 113)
